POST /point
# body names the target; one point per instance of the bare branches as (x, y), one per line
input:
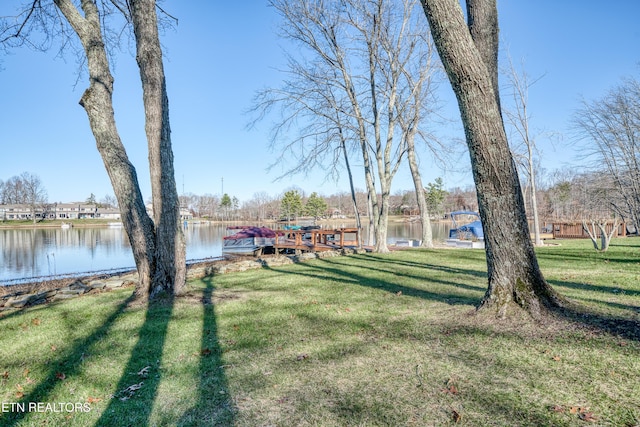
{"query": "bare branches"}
(21, 24)
(609, 130)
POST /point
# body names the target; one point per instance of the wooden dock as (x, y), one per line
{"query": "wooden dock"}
(318, 240)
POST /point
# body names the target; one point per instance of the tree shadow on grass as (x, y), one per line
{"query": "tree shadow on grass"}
(573, 312)
(136, 391)
(623, 327)
(214, 406)
(67, 363)
(325, 270)
(595, 288)
(474, 256)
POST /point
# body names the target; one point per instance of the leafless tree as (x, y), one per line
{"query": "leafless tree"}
(601, 231)
(158, 245)
(26, 189)
(34, 194)
(523, 145)
(609, 129)
(469, 53)
(349, 86)
(109, 201)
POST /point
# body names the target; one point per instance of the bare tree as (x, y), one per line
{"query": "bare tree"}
(469, 52)
(34, 194)
(158, 244)
(413, 110)
(109, 201)
(27, 189)
(349, 87)
(525, 150)
(601, 231)
(610, 131)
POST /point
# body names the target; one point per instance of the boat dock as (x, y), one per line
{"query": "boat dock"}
(317, 240)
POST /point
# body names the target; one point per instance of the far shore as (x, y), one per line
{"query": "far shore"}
(88, 223)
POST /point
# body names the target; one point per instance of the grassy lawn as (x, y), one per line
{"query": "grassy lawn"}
(363, 340)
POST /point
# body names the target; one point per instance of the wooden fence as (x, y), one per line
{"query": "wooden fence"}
(574, 230)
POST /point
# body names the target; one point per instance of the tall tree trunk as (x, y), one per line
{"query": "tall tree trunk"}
(512, 267)
(425, 220)
(534, 199)
(97, 102)
(149, 247)
(170, 274)
(343, 145)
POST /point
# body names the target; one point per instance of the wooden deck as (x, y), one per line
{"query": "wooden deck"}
(317, 240)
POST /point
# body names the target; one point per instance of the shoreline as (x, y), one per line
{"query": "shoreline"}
(19, 296)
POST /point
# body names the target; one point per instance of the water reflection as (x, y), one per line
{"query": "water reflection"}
(47, 251)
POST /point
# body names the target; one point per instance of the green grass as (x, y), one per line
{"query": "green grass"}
(364, 340)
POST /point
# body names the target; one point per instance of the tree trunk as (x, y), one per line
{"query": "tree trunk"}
(98, 103)
(170, 274)
(512, 267)
(343, 145)
(534, 198)
(427, 233)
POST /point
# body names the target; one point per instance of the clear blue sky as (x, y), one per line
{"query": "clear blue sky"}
(222, 52)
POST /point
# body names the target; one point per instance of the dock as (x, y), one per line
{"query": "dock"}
(300, 241)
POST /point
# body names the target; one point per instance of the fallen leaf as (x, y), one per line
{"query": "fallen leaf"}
(30, 381)
(25, 373)
(5, 375)
(557, 408)
(452, 389)
(35, 321)
(578, 409)
(457, 417)
(53, 347)
(19, 387)
(556, 358)
(60, 375)
(587, 416)
(19, 395)
(205, 352)
(400, 293)
(302, 356)
(93, 399)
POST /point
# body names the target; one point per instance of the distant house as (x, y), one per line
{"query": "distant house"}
(67, 210)
(185, 213)
(15, 212)
(87, 211)
(61, 211)
(108, 213)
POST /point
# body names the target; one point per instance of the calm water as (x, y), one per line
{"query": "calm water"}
(43, 252)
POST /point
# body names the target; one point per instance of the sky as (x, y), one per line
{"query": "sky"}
(222, 52)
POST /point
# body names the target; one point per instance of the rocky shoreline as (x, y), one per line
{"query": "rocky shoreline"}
(16, 297)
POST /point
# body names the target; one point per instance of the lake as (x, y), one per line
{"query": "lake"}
(37, 252)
